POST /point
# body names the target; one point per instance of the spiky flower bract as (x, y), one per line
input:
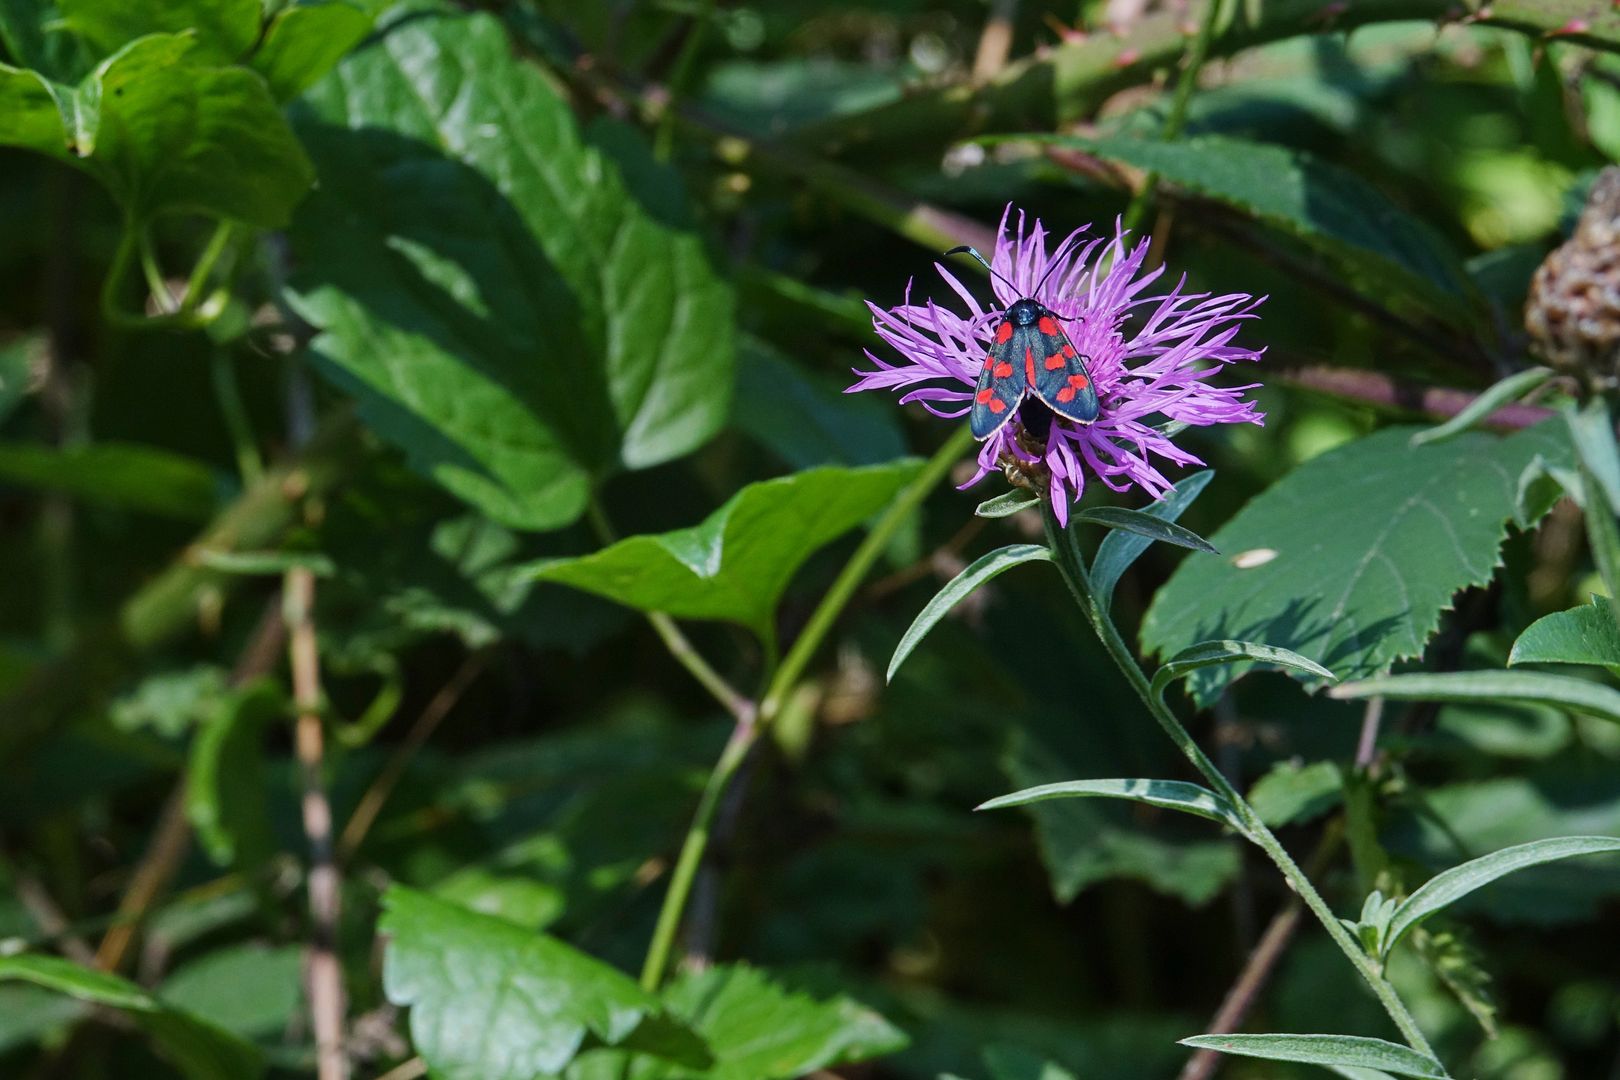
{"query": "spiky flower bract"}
(1151, 356)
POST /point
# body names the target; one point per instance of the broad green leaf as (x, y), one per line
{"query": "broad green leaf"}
(226, 784)
(224, 29)
(1449, 886)
(1343, 1050)
(1146, 525)
(1352, 558)
(250, 989)
(1509, 389)
(197, 1049)
(164, 132)
(1582, 635)
(760, 1030)
(1120, 548)
(305, 40)
(486, 283)
(1380, 248)
(1008, 503)
(959, 588)
(1017, 1063)
(1292, 793)
(735, 565)
(1169, 794)
(807, 420)
(1213, 653)
(1531, 688)
(491, 1000)
(32, 32)
(117, 474)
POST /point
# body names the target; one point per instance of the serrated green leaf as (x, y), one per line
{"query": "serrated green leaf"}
(1382, 249)
(1168, 794)
(490, 1000)
(1120, 548)
(1531, 688)
(1498, 394)
(1449, 886)
(1582, 635)
(1291, 793)
(1007, 504)
(118, 474)
(986, 567)
(224, 29)
(1352, 557)
(487, 285)
(199, 1050)
(1146, 525)
(226, 783)
(735, 565)
(1332, 1050)
(305, 40)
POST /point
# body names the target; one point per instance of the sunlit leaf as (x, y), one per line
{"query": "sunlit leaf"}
(1332, 1050)
(1530, 688)
(1121, 547)
(1168, 794)
(1582, 635)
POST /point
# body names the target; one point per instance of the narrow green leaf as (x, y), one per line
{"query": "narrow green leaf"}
(1208, 653)
(1449, 886)
(1353, 557)
(1509, 389)
(118, 474)
(266, 562)
(1593, 431)
(1582, 635)
(1347, 1050)
(1169, 794)
(1007, 504)
(227, 784)
(959, 588)
(735, 565)
(306, 40)
(491, 1000)
(1355, 1072)
(1535, 688)
(1146, 525)
(1120, 548)
(199, 1050)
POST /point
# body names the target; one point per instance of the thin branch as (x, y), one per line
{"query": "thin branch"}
(995, 40)
(1367, 743)
(52, 923)
(324, 972)
(427, 722)
(1376, 388)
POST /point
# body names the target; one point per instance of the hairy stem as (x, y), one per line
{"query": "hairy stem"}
(1074, 574)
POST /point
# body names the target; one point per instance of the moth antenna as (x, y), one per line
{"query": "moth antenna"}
(965, 250)
(1051, 266)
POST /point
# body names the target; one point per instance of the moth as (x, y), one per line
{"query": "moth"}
(1029, 354)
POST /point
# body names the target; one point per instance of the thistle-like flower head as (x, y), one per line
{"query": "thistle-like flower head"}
(1151, 357)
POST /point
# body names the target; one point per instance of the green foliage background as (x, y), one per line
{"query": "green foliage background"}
(520, 329)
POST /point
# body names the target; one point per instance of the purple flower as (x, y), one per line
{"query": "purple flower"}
(1156, 370)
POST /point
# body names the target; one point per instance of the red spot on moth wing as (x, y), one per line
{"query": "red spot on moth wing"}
(1029, 365)
(1055, 361)
(1004, 332)
(996, 405)
(984, 395)
(1048, 325)
(989, 362)
(1066, 394)
(1003, 370)
(1078, 381)
(1068, 350)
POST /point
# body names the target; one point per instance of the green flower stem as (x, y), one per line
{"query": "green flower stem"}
(228, 395)
(1176, 119)
(779, 687)
(1074, 574)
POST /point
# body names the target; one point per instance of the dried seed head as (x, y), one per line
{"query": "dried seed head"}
(1573, 311)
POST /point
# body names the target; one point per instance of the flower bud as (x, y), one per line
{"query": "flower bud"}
(1573, 311)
